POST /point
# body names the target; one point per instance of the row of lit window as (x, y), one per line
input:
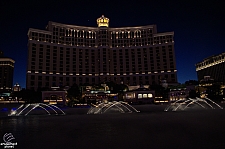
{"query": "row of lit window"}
(77, 32)
(61, 38)
(50, 47)
(11, 65)
(42, 37)
(137, 73)
(140, 96)
(209, 64)
(89, 44)
(93, 55)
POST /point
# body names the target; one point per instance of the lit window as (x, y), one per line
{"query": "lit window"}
(139, 95)
(144, 95)
(149, 95)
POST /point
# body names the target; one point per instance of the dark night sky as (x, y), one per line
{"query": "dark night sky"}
(199, 27)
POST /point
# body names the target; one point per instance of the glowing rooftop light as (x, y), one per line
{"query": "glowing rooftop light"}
(103, 21)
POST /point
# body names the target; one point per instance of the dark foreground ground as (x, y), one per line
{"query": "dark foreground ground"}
(151, 128)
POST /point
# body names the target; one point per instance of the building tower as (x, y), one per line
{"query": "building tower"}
(67, 54)
(6, 73)
(212, 67)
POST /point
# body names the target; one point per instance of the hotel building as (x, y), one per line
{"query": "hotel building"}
(67, 54)
(212, 67)
(6, 73)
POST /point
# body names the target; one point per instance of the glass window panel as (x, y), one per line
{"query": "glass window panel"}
(139, 95)
(149, 95)
(144, 95)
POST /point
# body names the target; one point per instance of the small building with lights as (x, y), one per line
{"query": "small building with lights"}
(54, 96)
(178, 94)
(98, 94)
(16, 88)
(140, 96)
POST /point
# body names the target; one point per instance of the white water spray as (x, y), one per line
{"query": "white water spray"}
(25, 109)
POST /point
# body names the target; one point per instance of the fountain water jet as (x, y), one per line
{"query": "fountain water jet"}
(104, 107)
(182, 104)
(25, 109)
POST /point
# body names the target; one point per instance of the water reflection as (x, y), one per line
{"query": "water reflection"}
(143, 130)
(18, 124)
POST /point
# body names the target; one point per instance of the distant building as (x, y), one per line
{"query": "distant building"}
(213, 68)
(178, 94)
(6, 73)
(54, 96)
(67, 54)
(16, 88)
(98, 94)
(139, 96)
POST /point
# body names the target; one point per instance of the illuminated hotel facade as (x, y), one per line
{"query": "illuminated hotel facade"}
(67, 54)
(213, 67)
(6, 73)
